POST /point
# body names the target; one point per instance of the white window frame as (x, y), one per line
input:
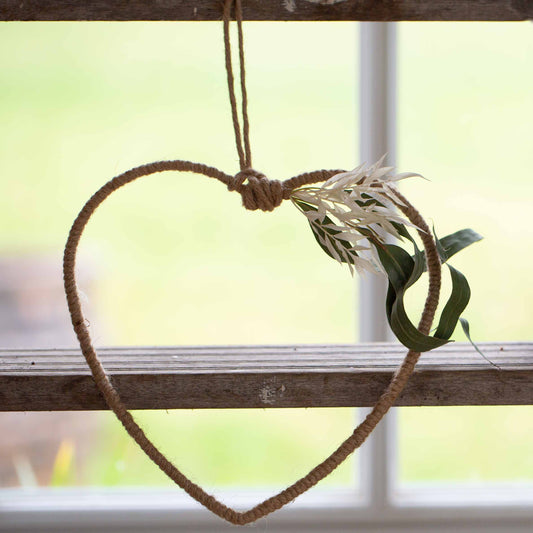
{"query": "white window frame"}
(378, 505)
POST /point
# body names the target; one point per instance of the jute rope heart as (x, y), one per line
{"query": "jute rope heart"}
(257, 192)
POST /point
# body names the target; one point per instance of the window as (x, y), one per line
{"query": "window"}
(58, 86)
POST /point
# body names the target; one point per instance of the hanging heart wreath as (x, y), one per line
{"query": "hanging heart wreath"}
(351, 215)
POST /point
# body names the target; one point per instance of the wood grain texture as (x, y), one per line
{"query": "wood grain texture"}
(364, 10)
(265, 376)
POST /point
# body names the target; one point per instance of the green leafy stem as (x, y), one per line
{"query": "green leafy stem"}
(403, 271)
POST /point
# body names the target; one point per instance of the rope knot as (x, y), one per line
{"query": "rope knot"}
(256, 190)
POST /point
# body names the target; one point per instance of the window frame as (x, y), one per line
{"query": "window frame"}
(379, 503)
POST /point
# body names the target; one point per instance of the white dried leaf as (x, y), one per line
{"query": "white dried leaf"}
(349, 201)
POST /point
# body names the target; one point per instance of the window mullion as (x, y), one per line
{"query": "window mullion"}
(377, 134)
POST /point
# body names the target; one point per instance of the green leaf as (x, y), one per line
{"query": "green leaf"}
(402, 270)
(458, 241)
(419, 266)
(406, 331)
(389, 266)
(345, 256)
(455, 305)
(408, 269)
(398, 264)
(455, 242)
(440, 249)
(323, 233)
(466, 329)
(402, 230)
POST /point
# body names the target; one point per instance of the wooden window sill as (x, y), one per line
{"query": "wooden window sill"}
(265, 376)
(369, 10)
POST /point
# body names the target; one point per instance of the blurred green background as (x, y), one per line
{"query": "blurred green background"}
(175, 260)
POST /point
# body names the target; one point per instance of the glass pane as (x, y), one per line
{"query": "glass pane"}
(235, 448)
(172, 259)
(466, 444)
(465, 118)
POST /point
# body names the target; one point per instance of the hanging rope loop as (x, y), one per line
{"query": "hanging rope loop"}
(258, 192)
(242, 137)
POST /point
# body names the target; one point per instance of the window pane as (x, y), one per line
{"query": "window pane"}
(466, 444)
(219, 449)
(172, 259)
(466, 111)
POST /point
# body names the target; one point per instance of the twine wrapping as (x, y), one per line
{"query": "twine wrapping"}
(257, 192)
